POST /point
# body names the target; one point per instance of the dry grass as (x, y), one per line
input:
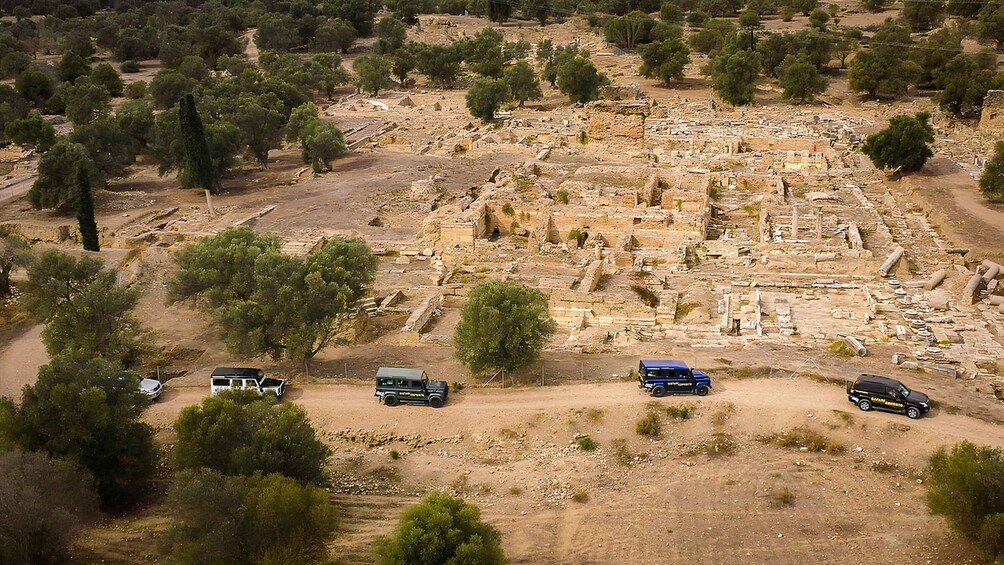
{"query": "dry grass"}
(782, 498)
(684, 308)
(751, 372)
(580, 496)
(678, 412)
(646, 295)
(802, 437)
(649, 425)
(841, 348)
(720, 418)
(720, 444)
(620, 451)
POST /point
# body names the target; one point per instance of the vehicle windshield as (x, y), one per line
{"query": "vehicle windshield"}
(903, 391)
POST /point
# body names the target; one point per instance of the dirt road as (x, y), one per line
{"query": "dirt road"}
(669, 499)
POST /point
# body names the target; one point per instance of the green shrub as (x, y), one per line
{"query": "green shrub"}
(578, 235)
(649, 425)
(441, 529)
(562, 196)
(394, 454)
(966, 485)
(585, 443)
(678, 412)
(263, 519)
(45, 504)
(87, 412)
(507, 209)
(240, 433)
(130, 66)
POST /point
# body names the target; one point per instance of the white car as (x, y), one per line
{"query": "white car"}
(152, 388)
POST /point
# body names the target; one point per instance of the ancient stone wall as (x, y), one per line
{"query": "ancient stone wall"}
(992, 118)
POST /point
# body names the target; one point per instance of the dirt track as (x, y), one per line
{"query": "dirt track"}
(510, 452)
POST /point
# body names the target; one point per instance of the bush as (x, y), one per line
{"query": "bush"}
(562, 195)
(45, 504)
(812, 440)
(136, 90)
(87, 411)
(966, 486)
(678, 412)
(649, 425)
(783, 497)
(585, 443)
(578, 236)
(441, 529)
(503, 325)
(258, 520)
(992, 179)
(130, 66)
(240, 433)
(580, 496)
(904, 145)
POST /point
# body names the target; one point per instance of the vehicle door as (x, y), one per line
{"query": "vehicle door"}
(674, 382)
(219, 385)
(896, 401)
(251, 384)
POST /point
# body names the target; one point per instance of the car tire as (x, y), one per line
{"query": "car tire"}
(390, 400)
(436, 402)
(658, 391)
(702, 390)
(913, 413)
(865, 405)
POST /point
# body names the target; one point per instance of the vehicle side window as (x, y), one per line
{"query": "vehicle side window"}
(892, 392)
(221, 382)
(653, 372)
(250, 383)
(386, 382)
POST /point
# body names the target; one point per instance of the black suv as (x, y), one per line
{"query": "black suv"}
(395, 385)
(883, 393)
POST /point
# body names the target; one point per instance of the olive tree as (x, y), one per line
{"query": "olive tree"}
(503, 325)
(268, 303)
(904, 145)
(86, 410)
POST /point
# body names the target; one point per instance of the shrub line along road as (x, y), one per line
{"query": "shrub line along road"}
(343, 406)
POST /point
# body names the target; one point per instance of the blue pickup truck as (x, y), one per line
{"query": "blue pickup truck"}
(672, 377)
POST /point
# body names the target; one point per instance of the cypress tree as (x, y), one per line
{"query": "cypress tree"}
(197, 160)
(85, 212)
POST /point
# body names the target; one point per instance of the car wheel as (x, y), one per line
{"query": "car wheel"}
(912, 413)
(658, 390)
(436, 402)
(702, 390)
(865, 405)
(390, 400)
